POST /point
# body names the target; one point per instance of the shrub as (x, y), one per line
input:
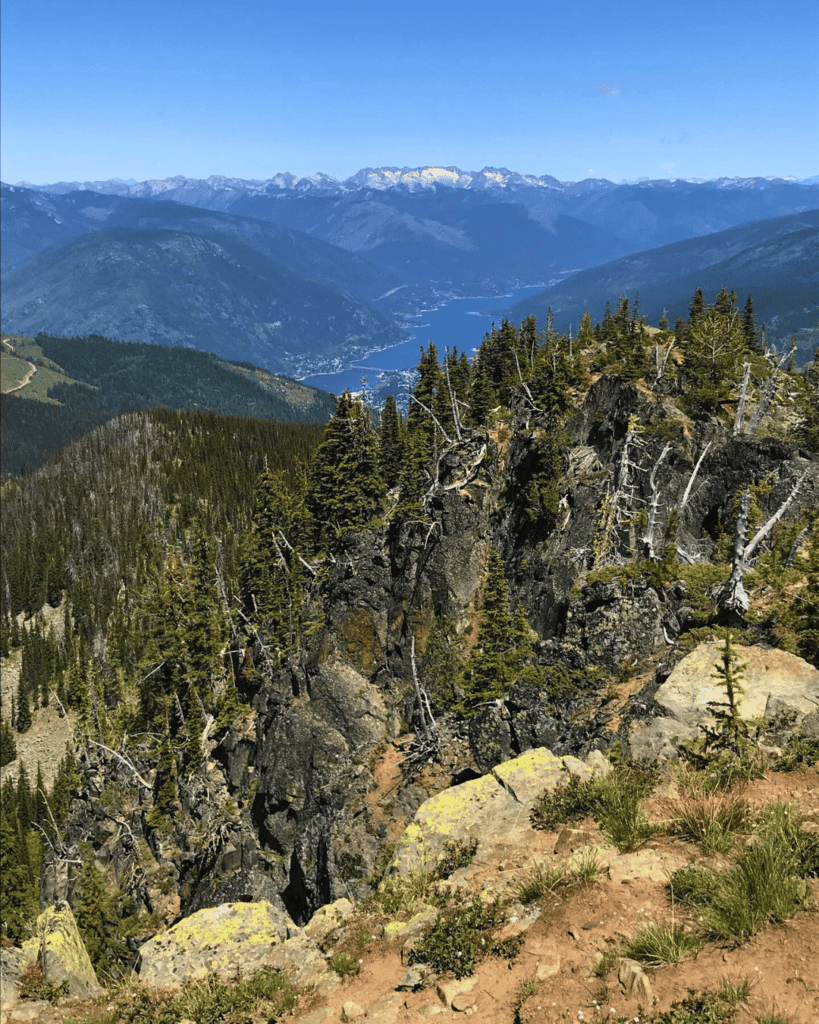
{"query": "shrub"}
(456, 943)
(458, 853)
(614, 801)
(344, 965)
(662, 945)
(397, 894)
(799, 750)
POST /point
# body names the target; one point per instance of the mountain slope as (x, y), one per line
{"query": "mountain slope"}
(79, 383)
(776, 260)
(33, 221)
(177, 288)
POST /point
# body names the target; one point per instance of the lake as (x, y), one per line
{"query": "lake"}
(459, 323)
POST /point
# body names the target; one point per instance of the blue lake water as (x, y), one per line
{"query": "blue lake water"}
(459, 323)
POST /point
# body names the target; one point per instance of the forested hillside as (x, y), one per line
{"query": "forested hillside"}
(252, 611)
(79, 383)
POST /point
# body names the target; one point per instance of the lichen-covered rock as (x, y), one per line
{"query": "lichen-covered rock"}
(234, 938)
(62, 953)
(493, 809)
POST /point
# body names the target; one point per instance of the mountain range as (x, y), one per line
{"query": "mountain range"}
(306, 274)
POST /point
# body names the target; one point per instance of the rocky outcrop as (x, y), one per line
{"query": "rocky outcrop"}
(781, 692)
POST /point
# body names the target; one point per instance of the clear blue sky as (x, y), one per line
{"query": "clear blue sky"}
(93, 89)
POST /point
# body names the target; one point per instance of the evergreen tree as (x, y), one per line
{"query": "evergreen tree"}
(731, 730)
(713, 352)
(725, 302)
(697, 307)
(503, 644)
(18, 892)
(390, 443)
(99, 923)
(345, 489)
(23, 719)
(749, 325)
(8, 745)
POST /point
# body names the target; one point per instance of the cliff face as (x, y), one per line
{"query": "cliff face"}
(290, 809)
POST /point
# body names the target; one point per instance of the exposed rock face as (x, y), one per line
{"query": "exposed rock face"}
(780, 689)
(234, 939)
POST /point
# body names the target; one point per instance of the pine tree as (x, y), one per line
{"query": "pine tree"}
(18, 892)
(8, 745)
(23, 719)
(713, 351)
(503, 644)
(697, 307)
(99, 923)
(345, 490)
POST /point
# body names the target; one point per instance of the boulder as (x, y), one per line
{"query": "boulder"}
(779, 687)
(62, 953)
(494, 809)
(229, 940)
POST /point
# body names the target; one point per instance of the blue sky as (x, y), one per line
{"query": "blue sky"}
(144, 89)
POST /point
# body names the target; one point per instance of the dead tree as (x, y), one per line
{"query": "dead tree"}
(767, 394)
(741, 403)
(732, 596)
(653, 507)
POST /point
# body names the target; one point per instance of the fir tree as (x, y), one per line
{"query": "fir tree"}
(713, 351)
(23, 718)
(749, 325)
(8, 745)
(390, 443)
(503, 644)
(730, 731)
(345, 489)
(99, 923)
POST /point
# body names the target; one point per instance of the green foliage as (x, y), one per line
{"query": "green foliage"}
(397, 894)
(457, 853)
(764, 886)
(694, 885)
(613, 800)
(713, 350)
(459, 940)
(98, 920)
(33, 985)
(540, 881)
(267, 994)
(8, 745)
(662, 944)
(503, 646)
(730, 733)
(344, 965)
(390, 443)
(345, 489)
(713, 821)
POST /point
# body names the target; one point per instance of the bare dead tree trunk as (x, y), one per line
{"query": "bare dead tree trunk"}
(453, 401)
(653, 506)
(767, 396)
(434, 419)
(428, 726)
(741, 404)
(797, 544)
(732, 595)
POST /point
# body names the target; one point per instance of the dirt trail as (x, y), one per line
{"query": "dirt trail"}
(31, 371)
